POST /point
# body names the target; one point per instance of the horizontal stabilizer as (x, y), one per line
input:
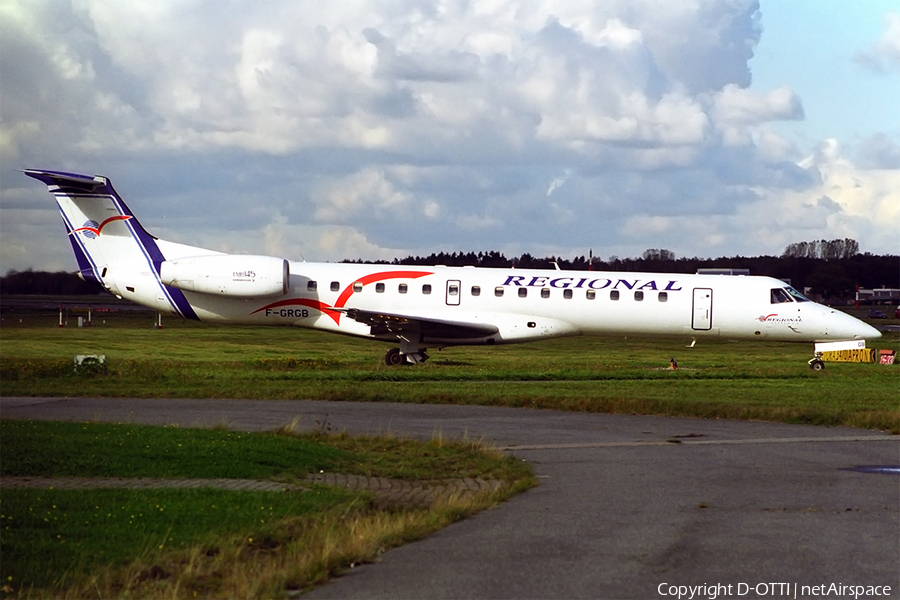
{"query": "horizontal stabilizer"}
(59, 181)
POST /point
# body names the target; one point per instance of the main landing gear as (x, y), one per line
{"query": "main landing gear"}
(395, 357)
(408, 353)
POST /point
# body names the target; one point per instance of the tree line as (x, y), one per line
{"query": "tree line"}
(826, 249)
(46, 283)
(829, 269)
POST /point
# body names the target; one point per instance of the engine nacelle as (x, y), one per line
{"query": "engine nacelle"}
(233, 275)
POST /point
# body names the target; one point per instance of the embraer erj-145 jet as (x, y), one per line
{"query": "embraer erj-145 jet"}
(424, 307)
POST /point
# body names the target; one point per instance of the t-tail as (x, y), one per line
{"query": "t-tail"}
(113, 249)
(110, 245)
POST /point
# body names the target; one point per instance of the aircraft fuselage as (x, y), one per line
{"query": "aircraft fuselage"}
(423, 306)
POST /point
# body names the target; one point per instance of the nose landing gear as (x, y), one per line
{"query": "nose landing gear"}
(816, 363)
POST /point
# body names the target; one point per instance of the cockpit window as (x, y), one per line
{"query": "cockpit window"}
(779, 295)
(798, 297)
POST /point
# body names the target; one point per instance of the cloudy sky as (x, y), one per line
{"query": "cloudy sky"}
(381, 128)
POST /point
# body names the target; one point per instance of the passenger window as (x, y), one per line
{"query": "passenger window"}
(664, 296)
(639, 296)
(379, 288)
(476, 290)
(498, 291)
(590, 295)
(545, 292)
(523, 291)
(567, 294)
(426, 288)
(403, 288)
(335, 286)
(779, 296)
(453, 290)
(614, 295)
(311, 286)
(357, 286)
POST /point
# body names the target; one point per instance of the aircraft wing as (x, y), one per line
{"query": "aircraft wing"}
(383, 323)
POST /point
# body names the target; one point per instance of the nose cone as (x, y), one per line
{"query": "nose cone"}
(872, 333)
(844, 327)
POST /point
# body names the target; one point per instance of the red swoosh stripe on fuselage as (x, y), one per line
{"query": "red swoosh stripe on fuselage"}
(321, 306)
(374, 277)
(345, 295)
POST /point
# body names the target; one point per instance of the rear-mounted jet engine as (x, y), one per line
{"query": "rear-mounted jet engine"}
(232, 275)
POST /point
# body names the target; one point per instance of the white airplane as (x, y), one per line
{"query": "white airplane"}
(425, 307)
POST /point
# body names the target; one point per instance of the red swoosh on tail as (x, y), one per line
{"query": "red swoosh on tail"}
(102, 225)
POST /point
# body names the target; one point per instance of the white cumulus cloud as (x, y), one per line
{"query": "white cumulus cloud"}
(407, 127)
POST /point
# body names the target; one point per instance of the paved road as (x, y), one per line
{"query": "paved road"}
(622, 508)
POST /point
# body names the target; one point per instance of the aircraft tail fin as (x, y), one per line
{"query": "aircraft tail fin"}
(102, 230)
(109, 243)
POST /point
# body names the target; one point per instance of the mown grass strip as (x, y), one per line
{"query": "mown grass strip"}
(294, 554)
(51, 536)
(63, 449)
(717, 378)
(59, 449)
(215, 543)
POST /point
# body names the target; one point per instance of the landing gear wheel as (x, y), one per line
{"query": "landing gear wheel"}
(393, 357)
(816, 365)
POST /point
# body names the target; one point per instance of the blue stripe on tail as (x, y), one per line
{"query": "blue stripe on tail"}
(75, 184)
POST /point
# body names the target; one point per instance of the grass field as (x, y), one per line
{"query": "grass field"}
(715, 379)
(271, 544)
(211, 542)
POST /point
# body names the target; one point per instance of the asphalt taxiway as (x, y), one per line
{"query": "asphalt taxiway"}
(628, 506)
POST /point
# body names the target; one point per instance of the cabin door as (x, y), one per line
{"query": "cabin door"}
(453, 292)
(702, 319)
